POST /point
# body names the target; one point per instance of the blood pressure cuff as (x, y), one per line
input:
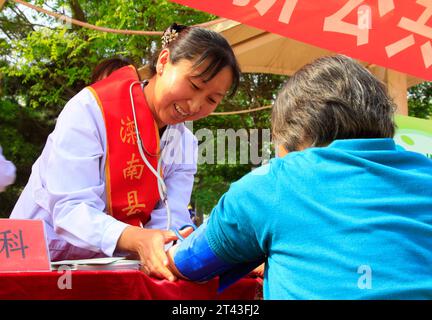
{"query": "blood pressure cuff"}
(196, 261)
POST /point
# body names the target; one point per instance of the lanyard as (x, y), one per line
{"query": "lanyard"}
(162, 189)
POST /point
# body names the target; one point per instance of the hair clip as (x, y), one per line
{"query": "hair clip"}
(169, 35)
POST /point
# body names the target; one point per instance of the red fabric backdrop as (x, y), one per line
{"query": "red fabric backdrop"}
(123, 284)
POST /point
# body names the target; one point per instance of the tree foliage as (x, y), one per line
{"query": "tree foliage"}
(420, 101)
(44, 62)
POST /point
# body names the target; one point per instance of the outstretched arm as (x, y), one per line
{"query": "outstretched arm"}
(234, 240)
(195, 260)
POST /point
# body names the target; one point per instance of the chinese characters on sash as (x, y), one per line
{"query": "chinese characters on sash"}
(131, 188)
(127, 131)
(133, 169)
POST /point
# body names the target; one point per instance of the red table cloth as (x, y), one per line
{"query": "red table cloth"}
(119, 284)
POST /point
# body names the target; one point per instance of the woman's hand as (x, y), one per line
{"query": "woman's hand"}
(149, 245)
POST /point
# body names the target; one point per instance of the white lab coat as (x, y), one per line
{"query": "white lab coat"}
(66, 188)
(7, 172)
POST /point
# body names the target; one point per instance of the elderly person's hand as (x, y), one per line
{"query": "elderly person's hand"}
(258, 271)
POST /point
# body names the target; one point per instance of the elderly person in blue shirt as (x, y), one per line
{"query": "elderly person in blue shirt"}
(343, 213)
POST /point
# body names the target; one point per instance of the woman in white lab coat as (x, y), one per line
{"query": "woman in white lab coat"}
(92, 186)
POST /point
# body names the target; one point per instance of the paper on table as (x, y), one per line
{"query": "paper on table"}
(106, 260)
(108, 263)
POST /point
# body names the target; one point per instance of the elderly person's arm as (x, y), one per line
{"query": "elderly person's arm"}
(231, 243)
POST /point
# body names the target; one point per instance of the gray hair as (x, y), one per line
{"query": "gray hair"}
(329, 99)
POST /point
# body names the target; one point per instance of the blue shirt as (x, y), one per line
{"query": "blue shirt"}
(349, 221)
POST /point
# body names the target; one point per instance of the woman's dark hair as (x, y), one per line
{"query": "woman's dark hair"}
(107, 66)
(201, 45)
(331, 98)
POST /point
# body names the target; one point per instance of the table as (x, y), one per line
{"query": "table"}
(117, 285)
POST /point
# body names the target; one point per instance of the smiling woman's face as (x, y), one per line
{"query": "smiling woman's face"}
(179, 95)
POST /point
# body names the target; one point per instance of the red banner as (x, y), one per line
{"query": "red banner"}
(393, 34)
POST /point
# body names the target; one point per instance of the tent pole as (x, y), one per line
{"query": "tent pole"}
(396, 84)
(2, 3)
(397, 87)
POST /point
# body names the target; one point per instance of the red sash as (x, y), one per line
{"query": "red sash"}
(131, 188)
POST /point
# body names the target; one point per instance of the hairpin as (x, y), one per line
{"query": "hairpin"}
(169, 35)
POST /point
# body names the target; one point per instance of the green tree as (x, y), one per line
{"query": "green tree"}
(420, 100)
(44, 62)
(212, 180)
